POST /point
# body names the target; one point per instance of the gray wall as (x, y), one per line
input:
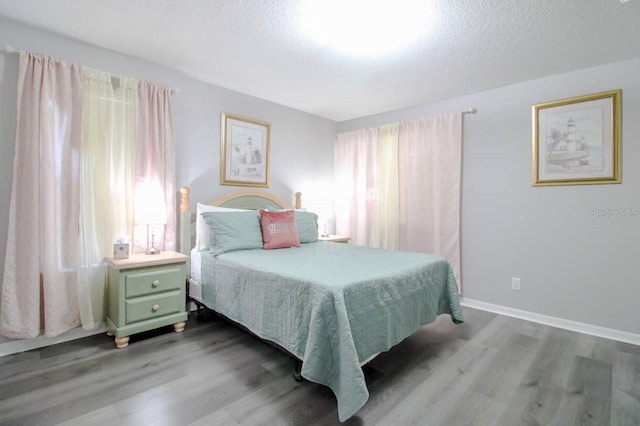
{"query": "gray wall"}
(301, 144)
(572, 265)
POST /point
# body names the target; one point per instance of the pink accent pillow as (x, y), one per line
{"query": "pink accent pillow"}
(279, 229)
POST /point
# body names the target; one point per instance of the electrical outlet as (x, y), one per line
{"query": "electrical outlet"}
(515, 284)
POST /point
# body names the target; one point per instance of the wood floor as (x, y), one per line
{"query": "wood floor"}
(491, 370)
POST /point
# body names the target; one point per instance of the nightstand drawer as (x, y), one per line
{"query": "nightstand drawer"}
(144, 308)
(150, 282)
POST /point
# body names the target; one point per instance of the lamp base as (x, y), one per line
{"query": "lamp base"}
(151, 250)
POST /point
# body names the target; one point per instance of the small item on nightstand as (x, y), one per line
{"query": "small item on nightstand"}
(335, 238)
(121, 248)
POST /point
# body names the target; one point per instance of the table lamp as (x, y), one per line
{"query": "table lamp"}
(150, 211)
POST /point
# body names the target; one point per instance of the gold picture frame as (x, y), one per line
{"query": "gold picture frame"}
(244, 151)
(577, 141)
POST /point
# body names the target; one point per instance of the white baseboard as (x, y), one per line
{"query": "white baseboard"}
(593, 330)
(8, 346)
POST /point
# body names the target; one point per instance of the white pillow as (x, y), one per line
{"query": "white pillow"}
(202, 229)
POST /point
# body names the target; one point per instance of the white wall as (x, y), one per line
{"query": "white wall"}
(573, 266)
(301, 144)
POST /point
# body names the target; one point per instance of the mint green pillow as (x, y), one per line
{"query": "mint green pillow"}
(307, 224)
(232, 231)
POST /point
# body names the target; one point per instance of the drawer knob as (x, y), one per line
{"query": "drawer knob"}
(155, 307)
(155, 283)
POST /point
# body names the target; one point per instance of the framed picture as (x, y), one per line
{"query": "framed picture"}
(577, 141)
(244, 151)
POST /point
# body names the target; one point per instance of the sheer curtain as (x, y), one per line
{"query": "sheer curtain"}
(107, 177)
(430, 167)
(384, 231)
(39, 285)
(85, 142)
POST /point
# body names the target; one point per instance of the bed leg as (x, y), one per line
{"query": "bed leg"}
(297, 370)
(199, 309)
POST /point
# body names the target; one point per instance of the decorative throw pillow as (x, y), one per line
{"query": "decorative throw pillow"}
(203, 240)
(279, 229)
(307, 224)
(232, 231)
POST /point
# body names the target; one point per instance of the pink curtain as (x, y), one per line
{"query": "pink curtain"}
(44, 286)
(155, 163)
(430, 167)
(357, 174)
(39, 282)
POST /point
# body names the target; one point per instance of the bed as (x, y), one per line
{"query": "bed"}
(332, 306)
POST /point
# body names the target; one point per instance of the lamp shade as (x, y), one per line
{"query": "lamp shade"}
(150, 206)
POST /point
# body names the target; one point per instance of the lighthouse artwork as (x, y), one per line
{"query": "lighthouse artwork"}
(565, 149)
(244, 156)
(577, 141)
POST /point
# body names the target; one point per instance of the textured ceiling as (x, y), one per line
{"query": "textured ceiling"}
(258, 47)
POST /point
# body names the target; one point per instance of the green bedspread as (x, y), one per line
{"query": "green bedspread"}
(332, 305)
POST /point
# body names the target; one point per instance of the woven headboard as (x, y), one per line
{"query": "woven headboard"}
(253, 200)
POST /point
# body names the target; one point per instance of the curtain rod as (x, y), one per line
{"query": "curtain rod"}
(10, 49)
(471, 110)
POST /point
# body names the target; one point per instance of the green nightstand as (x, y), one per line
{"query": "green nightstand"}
(145, 292)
